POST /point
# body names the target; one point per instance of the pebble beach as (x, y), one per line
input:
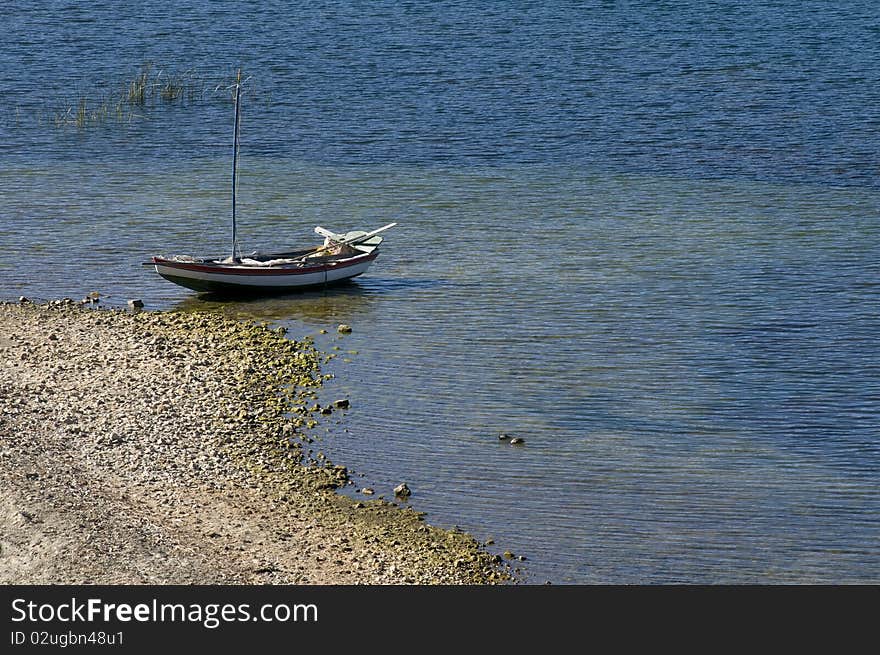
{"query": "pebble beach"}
(141, 447)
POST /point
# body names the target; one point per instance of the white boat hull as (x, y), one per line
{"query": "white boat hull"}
(213, 277)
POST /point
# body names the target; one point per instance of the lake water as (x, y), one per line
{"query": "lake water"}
(644, 237)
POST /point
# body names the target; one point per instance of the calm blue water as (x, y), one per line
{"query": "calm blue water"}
(645, 237)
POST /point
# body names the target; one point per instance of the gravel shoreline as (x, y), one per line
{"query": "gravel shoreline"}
(164, 448)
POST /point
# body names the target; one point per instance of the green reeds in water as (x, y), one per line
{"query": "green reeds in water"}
(81, 113)
(87, 112)
(165, 85)
(171, 90)
(138, 87)
(133, 98)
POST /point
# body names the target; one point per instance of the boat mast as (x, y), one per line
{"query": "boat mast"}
(235, 158)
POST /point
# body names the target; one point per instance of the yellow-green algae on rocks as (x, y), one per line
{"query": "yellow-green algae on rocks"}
(176, 439)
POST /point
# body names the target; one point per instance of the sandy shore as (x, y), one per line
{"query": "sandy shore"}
(164, 448)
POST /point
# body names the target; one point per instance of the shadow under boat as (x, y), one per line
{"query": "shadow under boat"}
(246, 294)
(346, 299)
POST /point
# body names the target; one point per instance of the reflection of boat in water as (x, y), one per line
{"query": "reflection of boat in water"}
(341, 257)
(341, 303)
(321, 307)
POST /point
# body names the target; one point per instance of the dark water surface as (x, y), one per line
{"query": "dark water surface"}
(644, 237)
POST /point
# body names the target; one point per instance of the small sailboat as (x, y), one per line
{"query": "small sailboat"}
(339, 258)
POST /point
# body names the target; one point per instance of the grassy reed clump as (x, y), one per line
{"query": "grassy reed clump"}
(89, 110)
(169, 86)
(138, 87)
(134, 97)
(171, 90)
(81, 114)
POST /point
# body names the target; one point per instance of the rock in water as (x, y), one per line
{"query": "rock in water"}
(342, 403)
(344, 329)
(402, 491)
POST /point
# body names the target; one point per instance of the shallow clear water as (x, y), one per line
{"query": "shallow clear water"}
(644, 240)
